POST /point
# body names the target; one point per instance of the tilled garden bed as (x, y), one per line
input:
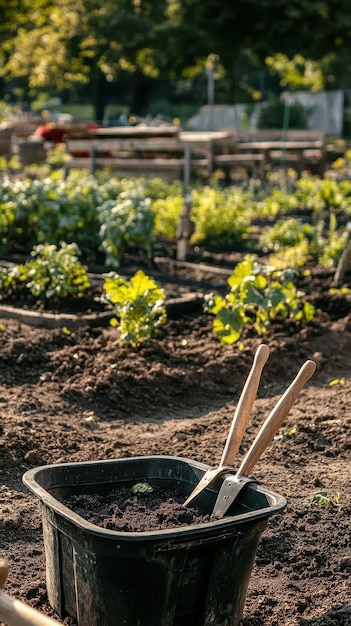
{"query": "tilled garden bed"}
(83, 396)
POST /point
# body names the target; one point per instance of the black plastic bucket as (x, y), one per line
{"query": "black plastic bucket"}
(188, 576)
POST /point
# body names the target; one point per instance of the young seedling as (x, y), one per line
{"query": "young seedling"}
(337, 381)
(286, 434)
(138, 303)
(258, 295)
(141, 489)
(322, 499)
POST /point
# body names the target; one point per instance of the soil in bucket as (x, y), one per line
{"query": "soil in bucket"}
(145, 512)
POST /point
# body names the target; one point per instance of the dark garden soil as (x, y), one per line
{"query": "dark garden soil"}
(82, 396)
(123, 511)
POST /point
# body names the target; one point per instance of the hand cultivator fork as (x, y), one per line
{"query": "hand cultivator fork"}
(232, 485)
(238, 425)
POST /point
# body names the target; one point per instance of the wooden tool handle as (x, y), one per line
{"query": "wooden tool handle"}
(275, 419)
(16, 613)
(244, 407)
(4, 570)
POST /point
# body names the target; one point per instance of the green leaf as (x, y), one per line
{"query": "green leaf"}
(214, 304)
(228, 326)
(242, 271)
(141, 489)
(309, 311)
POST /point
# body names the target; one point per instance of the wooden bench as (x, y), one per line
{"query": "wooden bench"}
(163, 156)
(277, 134)
(176, 155)
(181, 156)
(302, 149)
(221, 152)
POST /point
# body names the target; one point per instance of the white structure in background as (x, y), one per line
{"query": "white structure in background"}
(325, 113)
(221, 116)
(325, 109)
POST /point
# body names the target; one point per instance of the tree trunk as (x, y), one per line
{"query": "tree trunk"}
(140, 95)
(98, 97)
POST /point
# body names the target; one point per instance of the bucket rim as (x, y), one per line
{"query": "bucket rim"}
(31, 476)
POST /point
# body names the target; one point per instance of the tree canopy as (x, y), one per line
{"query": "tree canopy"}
(52, 45)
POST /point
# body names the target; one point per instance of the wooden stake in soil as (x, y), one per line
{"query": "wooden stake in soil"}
(185, 229)
(345, 259)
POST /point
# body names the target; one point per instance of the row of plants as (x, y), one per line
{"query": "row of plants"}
(107, 215)
(56, 220)
(56, 272)
(257, 294)
(112, 214)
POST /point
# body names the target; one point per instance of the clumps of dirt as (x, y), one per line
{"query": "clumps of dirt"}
(120, 510)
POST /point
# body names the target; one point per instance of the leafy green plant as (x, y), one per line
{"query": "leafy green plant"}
(322, 195)
(126, 222)
(276, 200)
(286, 233)
(221, 216)
(339, 291)
(322, 499)
(8, 279)
(52, 272)
(258, 295)
(330, 246)
(295, 242)
(57, 156)
(167, 214)
(51, 210)
(295, 257)
(138, 303)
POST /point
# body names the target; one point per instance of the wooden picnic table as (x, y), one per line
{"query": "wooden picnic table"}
(165, 149)
(124, 132)
(301, 153)
(206, 144)
(206, 138)
(278, 145)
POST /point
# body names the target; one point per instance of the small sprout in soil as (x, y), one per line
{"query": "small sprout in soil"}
(337, 381)
(90, 420)
(286, 434)
(322, 499)
(141, 489)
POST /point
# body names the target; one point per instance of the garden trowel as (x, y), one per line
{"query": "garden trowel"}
(238, 425)
(232, 485)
